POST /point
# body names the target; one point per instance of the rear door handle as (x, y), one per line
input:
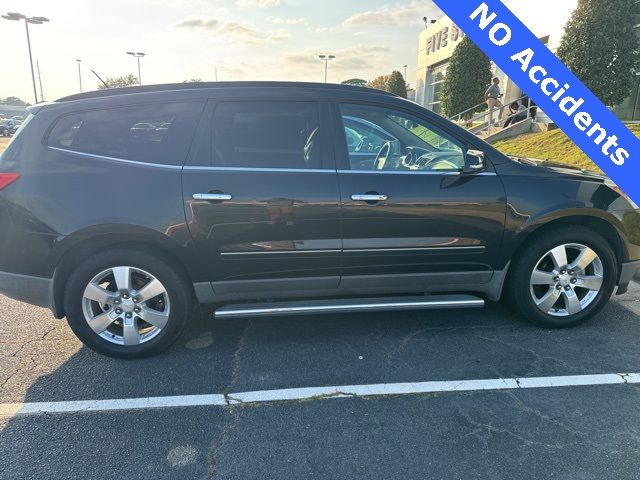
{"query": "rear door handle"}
(366, 197)
(211, 197)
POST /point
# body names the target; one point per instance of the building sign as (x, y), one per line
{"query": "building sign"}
(442, 38)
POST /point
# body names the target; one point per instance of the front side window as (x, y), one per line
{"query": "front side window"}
(159, 133)
(364, 137)
(385, 139)
(267, 135)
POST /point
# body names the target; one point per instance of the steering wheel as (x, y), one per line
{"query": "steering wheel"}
(381, 160)
(436, 160)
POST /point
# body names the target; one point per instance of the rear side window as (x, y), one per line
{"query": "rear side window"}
(158, 133)
(267, 135)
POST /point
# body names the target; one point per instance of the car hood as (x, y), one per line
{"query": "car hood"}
(562, 169)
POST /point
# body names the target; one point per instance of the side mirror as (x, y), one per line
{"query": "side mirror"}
(474, 161)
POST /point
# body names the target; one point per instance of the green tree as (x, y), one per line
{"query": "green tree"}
(468, 75)
(357, 82)
(397, 84)
(117, 82)
(14, 101)
(193, 80)
(380, 83)
(600, 47)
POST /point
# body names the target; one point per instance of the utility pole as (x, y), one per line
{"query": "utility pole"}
(40, 80)
(79, 73)
(216, 72)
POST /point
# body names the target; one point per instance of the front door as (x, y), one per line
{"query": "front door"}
(412, 215)
(264, 213)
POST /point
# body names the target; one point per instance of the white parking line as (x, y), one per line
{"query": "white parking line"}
(311, 393)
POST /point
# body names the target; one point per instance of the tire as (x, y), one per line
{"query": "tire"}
(93, 292)
(549, 287)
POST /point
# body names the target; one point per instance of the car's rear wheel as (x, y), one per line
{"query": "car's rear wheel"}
(563, 278)
(127, 303)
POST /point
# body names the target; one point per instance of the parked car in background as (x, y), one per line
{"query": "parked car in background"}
(9, 127)
(120, 209)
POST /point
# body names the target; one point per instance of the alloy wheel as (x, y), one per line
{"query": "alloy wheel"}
(126, 305)
(566, 280)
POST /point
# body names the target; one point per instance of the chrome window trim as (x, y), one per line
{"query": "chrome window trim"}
(259, 169)
(229, 254)
(355, 250)
(115, 159)
(412, 249)
(414, 172)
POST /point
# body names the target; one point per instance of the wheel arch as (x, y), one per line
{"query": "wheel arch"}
(79, 247)
(604, 225)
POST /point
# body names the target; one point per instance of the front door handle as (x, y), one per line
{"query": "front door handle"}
(212, 197)
(368, 197)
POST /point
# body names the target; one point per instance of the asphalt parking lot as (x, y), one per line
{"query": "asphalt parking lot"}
(571, 432)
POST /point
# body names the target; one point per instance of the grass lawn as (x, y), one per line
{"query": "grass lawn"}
(553, 145)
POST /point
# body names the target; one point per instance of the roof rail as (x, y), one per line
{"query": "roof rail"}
(201, 85)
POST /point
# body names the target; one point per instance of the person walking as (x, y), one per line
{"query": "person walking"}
(492, 96)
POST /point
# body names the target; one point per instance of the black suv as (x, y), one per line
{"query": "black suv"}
(121, 208)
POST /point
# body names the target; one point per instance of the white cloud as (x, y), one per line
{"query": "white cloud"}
(258, 3)
(399, 14)
(279, 35)
(370, 18)
(206, 23)
(241, 32)
(245, 33)
(358, 57)
(287, 21)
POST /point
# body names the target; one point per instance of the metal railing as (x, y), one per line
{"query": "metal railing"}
(486, 115)
(456, 118)
(489, 127)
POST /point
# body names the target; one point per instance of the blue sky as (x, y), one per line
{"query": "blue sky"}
(246, 39)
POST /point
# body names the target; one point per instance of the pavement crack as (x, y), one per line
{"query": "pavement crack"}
(235, 364)
(484, 431)
(624, 376)
(228, 427)
(538, 359)
(233, 413)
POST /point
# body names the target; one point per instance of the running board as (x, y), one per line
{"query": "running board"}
(307, 307)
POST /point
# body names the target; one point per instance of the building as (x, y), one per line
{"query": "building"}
(440, 39)
(9, 111)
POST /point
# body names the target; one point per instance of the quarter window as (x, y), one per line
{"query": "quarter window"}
(385, 139)
(158, 133)
(267, 135)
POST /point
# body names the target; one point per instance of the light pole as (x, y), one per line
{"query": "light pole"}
(27, 20)
(138, 56)
(428, 22)
(326, 59)
(405, 72)
(79, 73)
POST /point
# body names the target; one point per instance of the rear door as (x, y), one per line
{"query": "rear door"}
(262, 199)
(411, 214)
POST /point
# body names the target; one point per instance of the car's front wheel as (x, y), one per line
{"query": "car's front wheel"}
(127, 303)
(563, 278)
